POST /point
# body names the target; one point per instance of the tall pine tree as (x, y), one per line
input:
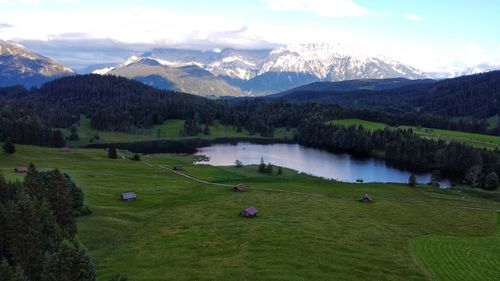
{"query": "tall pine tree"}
(61, 203)
(31, 232)
(8, 146)
(112, 154)
(33, 183)
(70, 262)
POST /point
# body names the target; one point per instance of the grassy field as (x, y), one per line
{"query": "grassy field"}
(307, 229)
(170, 129)
(460, 258)
(477, 140)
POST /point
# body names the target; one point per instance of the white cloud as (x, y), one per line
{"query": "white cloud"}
(19, 1)
(327, 8)
(77, 38)
(413, 17)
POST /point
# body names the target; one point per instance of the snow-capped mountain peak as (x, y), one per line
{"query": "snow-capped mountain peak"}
(323, 61)
(131, 60)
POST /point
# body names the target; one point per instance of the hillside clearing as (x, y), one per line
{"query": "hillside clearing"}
(477, 140)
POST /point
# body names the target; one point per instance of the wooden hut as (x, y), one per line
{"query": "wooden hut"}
(249, 212)
(366, 198)
(65, 149)
(22, 169)
(178, 168)
(128, 196)
(239, 188)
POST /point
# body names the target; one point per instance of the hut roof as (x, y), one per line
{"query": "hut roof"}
(65, 149)
(128, 196)
(366, 198)
(22, 169)
(240, 187)
(251, 211)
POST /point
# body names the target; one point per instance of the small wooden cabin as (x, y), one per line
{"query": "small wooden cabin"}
(366, 198)
(249, 212)
(178, 168)
(240, 188)
(128, 196)
(22, 169)
(65, 149)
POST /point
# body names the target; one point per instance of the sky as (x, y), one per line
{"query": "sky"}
(444, 35)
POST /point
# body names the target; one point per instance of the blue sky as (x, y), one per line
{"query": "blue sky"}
(431, 35)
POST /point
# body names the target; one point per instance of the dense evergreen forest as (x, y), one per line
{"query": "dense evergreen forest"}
(118, 104)
(475, 96)
(38, 228)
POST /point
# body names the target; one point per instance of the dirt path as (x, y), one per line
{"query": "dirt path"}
(320, 195)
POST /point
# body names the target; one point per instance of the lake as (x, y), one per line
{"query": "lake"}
(339, 166)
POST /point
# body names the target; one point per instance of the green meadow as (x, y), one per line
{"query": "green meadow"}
(170, 129)
(478, 140)
(307, 228)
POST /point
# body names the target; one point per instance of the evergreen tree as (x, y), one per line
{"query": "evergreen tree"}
(136, 157)
(74, 190)
(4, 189)
(9, 273)
(473, 175)
(412, 181)
(73, 134)
(206, 130)
(8, 146)
(269, 168)
(33, 183)
(71, 262)
(112, 154)
(262, 165)
(61, 203)
(491, 181)
(31, 232)
(238, 164)
(58, 138)
(280, 171)
(3, 232)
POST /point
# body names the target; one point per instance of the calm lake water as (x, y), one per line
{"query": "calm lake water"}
(339, 166)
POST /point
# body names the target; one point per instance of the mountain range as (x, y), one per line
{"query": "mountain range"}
(261, 72)
(228, 72)
(18, 65)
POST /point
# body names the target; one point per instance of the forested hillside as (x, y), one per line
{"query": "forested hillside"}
(468, 96)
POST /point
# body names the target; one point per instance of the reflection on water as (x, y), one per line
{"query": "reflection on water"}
(339, 166)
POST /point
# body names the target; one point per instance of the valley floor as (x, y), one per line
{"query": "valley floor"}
(307, 228)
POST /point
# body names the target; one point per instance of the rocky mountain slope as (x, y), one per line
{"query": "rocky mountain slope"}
(18, 65)
(189, 78)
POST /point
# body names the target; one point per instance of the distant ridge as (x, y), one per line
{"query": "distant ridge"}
(20, 66)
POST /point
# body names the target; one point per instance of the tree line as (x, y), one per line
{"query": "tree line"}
(476, 96)
(477, 167)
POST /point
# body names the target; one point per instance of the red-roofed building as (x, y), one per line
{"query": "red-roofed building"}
(65, 149)
(240, 188)
(21, 169)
